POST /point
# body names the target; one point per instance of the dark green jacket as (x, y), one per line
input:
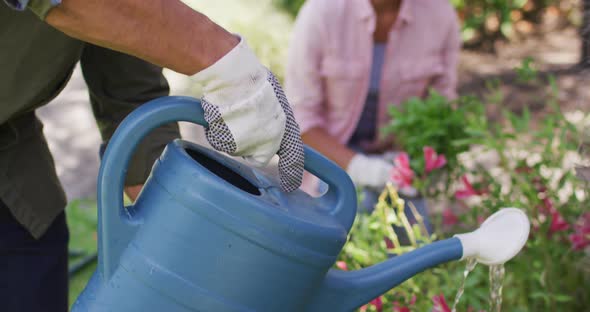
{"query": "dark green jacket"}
(36, 62)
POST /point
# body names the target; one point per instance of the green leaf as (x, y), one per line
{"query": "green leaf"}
(563, 298)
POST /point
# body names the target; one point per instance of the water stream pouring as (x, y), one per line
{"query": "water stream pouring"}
(210, 234)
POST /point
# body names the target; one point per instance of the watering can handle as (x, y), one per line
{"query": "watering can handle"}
(116, 223)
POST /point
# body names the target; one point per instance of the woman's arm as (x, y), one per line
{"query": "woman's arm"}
(246, 109)
(326, 144)
(167, 33)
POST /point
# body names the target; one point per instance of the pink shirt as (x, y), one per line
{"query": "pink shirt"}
(330, 57)
(330, 53)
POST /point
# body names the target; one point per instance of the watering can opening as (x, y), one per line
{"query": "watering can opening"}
(223, 172)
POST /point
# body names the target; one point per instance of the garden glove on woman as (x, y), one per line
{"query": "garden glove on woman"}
(369, 172)
(249, 115)
(374, 172)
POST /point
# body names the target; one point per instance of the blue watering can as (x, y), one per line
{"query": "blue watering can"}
(208, 233)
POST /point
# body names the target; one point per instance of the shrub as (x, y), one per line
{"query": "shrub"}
(484, 21)
(509, 165)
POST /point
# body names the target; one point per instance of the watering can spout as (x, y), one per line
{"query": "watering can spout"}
(347, 290)
(498, 239)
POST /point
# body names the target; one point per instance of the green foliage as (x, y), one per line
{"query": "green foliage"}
(448, 127)
(534, 171)
(482, 20)
(81, 216)
(477, 14)
(526, 72)
(291, 6)
(511, 165)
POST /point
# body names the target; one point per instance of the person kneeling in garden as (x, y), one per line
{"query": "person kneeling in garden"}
(349, 60)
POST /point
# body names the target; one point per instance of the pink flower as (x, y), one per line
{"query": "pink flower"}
(401, 174)
(581, 237)
(548, 205)
(439, 304)
(557, 223)
(432, 160)
(397, 307)
(388, 243)
(342, 265)
(378, 303)
(468, 191)
(449, 217)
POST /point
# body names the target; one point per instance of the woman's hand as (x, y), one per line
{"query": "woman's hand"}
(369, 172)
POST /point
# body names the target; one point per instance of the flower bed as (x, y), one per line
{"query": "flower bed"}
(471, 168)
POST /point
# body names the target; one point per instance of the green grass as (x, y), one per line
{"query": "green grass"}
(81, 216)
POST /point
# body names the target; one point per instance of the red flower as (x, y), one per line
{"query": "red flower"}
(557, 223)
(439, 304)
(449, 217)
(388, 243)
(432, 160)
(468, 191)
(581, 237)
(548, 205)
(342, 265)
(399, 308)
(401, 174)
(378, 303)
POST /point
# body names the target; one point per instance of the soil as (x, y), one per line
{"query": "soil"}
(555, 53)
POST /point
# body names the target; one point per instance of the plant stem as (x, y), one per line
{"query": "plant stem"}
(400, 213)
(419, 218)
(382, 204)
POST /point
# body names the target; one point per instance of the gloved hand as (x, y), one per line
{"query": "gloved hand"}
(369, 172)
(249, 115)
(375, 171)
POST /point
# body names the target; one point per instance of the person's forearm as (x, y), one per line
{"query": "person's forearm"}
(326, 144)
(164, 32)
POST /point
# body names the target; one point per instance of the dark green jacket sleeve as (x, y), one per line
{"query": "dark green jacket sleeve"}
(119, 83)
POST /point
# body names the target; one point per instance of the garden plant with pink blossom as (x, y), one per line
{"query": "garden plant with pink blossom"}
(468, 168)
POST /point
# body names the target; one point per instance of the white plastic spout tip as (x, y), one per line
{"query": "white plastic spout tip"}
(498, 239)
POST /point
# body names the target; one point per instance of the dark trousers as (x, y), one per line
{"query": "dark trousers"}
(33, 272)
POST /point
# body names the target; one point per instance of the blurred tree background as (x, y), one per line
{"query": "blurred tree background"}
(487, 21)
(585, 34)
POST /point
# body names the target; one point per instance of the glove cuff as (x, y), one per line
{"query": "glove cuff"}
(368, 172)
(233, 76)
(356, 164)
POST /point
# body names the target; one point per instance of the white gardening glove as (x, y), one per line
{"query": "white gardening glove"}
(375, 172)
(369, 172)
(249, 115)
